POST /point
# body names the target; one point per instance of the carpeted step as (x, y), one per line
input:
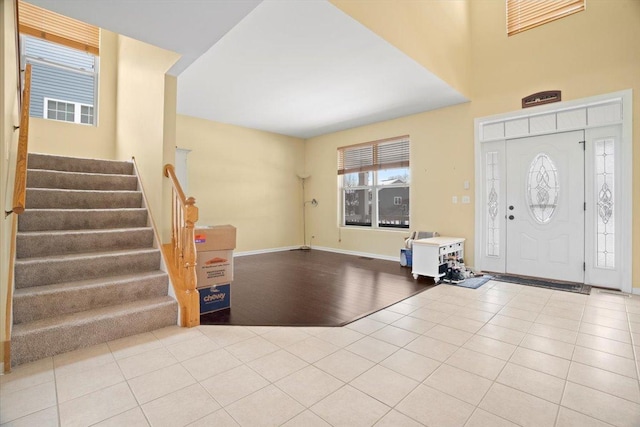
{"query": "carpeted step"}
(74, 164)
(81, 219)
(46, 198)
(46, 243)
(41, 178)
(40, 302)
(86, 270)
(67, 268)
(47, 337)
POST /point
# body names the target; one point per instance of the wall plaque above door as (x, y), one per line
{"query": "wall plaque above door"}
(541, 98)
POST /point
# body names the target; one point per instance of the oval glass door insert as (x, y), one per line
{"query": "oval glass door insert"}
(542, 188)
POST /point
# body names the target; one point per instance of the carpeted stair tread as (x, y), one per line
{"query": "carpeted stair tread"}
(81, 219)
(40, 302)
(31, 244)
(63, 268)
(87, 271)
(47, 198)
(42, 178)
(47, 337)
(75, 164)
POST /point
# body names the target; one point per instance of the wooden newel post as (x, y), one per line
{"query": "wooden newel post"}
(182, 252)
(190, 279)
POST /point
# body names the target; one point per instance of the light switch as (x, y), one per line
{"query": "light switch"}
(454, 199)
(466, 199)
(467, 185)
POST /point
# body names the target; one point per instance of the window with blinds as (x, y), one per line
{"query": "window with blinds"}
(376, 155)
(375, 183)
(523, 15)
(63, 54)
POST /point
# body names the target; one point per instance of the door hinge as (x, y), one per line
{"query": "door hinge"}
(584, 144)
(585, 206)
(584, 266)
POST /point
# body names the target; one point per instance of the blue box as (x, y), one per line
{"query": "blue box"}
(217, 297)
(406, 257)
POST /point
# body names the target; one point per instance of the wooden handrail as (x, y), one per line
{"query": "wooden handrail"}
(16, 9)
(181, 252)
(20, 182)
(23, 95)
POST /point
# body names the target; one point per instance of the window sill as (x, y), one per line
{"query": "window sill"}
(381, 229)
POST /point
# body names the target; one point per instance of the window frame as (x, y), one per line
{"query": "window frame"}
(374, 190)
(95, 73)
(38, 23)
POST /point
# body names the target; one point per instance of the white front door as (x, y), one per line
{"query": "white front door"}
(545, 206)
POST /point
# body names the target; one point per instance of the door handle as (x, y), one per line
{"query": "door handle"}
(511, 207)
(511, 217)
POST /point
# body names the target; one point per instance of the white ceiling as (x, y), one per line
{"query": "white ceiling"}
(301, 68)
(188, 27)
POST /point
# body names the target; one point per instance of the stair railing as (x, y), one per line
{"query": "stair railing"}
(20, 181)
(18, 201)
(181, 252)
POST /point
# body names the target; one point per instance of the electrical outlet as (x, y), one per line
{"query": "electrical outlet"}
(466, 199)
(454, 199)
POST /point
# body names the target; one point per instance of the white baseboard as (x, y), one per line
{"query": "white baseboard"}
(635, 291)
(319, 248)
(265, 251)
(356, 253)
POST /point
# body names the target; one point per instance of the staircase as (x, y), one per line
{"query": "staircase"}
(86, 267)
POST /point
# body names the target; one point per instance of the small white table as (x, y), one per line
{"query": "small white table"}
(430, 254)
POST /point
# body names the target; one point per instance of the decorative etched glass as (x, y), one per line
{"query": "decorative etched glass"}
(542, 188)
(605, 218)
(492, 186)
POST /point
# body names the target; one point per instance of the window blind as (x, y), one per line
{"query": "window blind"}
(44, 24)
(523, 15)
(383, 154)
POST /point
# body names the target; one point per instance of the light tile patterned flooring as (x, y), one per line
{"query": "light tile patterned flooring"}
(501, 355)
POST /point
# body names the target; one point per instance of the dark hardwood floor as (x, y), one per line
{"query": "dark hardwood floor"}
(312, 288)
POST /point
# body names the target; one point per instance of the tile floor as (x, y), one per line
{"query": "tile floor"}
(501, 355)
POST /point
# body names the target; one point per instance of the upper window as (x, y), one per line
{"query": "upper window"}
(374, 184)
(63, 54)
(523, 15)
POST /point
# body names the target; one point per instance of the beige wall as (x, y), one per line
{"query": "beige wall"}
(98, 142)
(140, 116)
(587, 54)
(136, 117)
(246, 178)
(436, 33)
(438, 171)
(9, 117)
(168, 153)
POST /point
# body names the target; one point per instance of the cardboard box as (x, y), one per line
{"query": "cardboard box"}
(214, 254)
(214, 268)
(215, 238)
(215, 298)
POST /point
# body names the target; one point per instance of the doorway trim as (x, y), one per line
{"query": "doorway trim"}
(600, 111)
